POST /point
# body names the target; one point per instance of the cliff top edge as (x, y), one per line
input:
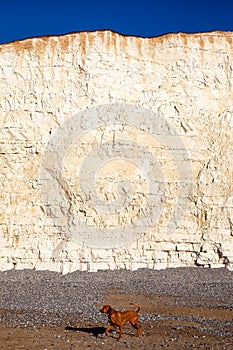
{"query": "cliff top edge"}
(110, 33)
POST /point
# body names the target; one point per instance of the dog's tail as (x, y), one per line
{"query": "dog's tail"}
(138, 307)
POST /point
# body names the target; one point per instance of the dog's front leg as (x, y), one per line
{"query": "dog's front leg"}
(109, 328)
(120, 334)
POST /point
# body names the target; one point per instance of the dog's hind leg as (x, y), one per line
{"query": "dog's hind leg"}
(137, 327)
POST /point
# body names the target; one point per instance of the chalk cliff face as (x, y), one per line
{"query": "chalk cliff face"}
(116, 151)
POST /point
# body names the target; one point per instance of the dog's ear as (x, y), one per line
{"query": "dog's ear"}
(107, 309)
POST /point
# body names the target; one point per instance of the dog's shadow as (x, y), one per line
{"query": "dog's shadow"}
(95, 331)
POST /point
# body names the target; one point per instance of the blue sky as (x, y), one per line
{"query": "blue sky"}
(20, 19)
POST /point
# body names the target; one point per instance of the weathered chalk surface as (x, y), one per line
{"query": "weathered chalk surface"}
(150, 185)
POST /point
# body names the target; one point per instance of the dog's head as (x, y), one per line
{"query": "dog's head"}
(106, 309)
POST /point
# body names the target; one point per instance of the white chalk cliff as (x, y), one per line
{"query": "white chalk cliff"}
(163, 109)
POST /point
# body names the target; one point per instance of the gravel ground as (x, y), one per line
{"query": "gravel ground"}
(49, 298)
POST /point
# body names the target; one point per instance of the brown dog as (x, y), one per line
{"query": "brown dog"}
(118, 319)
